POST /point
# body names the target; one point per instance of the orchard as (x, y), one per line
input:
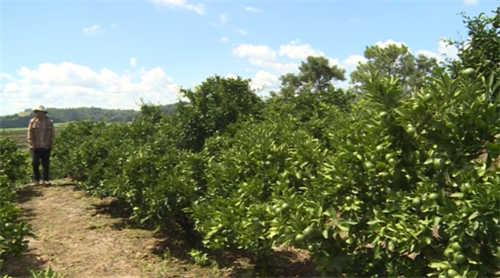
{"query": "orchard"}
(395, 177)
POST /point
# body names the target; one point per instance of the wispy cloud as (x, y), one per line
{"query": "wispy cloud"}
(179, 4)
(224, 39)
(241, 31)
(133, 62)
(224, 18)
(252, 9)
(471, 2)
(92, 30)
(114, 25)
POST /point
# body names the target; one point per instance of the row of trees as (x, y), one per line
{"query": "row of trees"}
(395, 176)
(63, 115)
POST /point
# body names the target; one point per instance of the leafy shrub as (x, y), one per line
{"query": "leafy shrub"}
(12, 171)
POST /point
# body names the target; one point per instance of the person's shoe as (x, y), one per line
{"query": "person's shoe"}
(46, 183)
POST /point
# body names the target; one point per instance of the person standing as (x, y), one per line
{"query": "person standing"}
(40, 141)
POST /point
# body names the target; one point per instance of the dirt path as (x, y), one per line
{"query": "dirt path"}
(79, 236)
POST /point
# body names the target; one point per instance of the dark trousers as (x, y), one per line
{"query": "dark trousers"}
(38, 155)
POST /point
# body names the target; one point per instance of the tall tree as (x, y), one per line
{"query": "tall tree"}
(214, 105)
(316, 71)
(393, 60)
(481, 52)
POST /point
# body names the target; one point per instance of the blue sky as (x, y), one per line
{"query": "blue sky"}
(111, 53)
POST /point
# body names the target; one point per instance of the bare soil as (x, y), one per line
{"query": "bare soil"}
(81, 236)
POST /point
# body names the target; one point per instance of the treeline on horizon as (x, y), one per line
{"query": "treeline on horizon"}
(63, 115)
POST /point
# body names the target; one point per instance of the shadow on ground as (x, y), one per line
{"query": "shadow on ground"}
(27, 193)
(19, 267)
(174, 243)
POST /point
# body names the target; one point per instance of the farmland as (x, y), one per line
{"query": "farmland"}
(395, 177)
(19, 134)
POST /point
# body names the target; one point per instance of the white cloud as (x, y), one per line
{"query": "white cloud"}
(429, 54)
(353, 60)
(70, 85)
(334, 61)
(252, 9)
(224, 18)
(230, 76)
(449, 50)
(299, 51)
(281, 68)
(133, 62)
(388, 42)
(471, 2)
(224, 39)
(114, 25)
(260, 52)
(264, 79)
(94, 29)
(443, 51)
(179, 4)
(241, 31)
(5, 75)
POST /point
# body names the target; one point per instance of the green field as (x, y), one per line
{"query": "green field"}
(19, 134)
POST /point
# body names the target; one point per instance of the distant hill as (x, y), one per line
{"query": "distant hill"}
(63, 115)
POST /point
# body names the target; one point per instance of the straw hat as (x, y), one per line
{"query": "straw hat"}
(40, 108)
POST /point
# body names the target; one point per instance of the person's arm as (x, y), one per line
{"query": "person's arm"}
(30, 135)
(52, 134)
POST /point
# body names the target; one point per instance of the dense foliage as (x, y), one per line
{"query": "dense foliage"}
(392, 184)
(13, 170)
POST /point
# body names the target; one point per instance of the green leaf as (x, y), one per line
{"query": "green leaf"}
(325, 234)
(458, 195)
(437, 265)
(473, 215)
(472, 274)
(343, 228)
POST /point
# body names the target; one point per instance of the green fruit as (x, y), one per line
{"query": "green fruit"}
(467, 72)
(448, 253)
(299, 238)
(427, 97)
(410, 129)
(311, 232)
(348, 199)
(439, 163)
(369, 165)
(433, 196)
(310, 248)
(278, 210)
(451, 272)
(460, 258)
(392, 161)
(416, 202)
(456, 247)
(380, 148)
(389, 156)
(284, 206)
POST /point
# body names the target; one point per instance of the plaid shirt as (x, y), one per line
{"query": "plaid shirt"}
(41, 133)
